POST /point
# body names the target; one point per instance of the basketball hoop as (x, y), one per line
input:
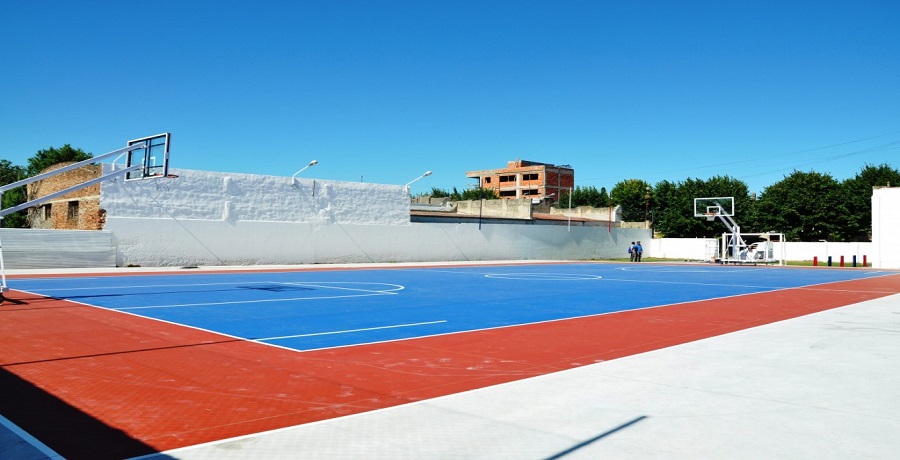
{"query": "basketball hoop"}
(164, 185)
(710, 216)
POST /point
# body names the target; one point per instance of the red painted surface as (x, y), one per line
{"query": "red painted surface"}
(155, 386)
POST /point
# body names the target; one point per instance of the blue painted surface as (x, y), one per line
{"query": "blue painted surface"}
(307, 310)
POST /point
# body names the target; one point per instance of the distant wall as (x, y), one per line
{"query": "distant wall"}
(613, 214)
(823, 250)
(511, 208)
(682, 248)
(707, 248)
(211, 218)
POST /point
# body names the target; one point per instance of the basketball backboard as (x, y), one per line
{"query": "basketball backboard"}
(154, 157)
(714, 206)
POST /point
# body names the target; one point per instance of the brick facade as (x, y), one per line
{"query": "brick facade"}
(78, 210)
(526, 179)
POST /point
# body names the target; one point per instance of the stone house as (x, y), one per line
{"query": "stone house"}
(78, 210)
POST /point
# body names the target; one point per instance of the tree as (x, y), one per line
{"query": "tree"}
(673, 212)
(672, 216)
(805, 206)
(469, 194)
(44, 159)
(10, 173)
(584, 196)
(478, 194)
(439, 193)
(857, 195)
(635, 196)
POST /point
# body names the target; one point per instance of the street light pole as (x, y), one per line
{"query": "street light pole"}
(646, 203)
(293, 178)
(427, 173)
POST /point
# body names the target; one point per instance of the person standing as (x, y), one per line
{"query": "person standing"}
(638, 251)
(631, 252)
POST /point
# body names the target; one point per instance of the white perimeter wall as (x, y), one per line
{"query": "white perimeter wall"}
(213, 218)
(682, 248)
(706, 248)
(886, 227)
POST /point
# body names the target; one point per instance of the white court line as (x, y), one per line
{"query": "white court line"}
(324, 285)
(358, 293)
(544, 276)
(290, 299)
(680, 270)
(679, 283)
(350, 330)
(97, 288)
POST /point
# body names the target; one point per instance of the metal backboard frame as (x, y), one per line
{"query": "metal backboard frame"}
(153, 157)
(714, 206)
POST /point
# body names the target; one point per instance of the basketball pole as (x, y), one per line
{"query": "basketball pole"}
(3, 287)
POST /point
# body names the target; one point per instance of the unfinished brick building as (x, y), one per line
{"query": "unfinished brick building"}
(526, 179)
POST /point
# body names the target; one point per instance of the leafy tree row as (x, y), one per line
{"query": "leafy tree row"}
(466, 195)
(585, 196)
(805, 206)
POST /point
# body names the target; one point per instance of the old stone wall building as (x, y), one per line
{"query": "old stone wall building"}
(77, 210)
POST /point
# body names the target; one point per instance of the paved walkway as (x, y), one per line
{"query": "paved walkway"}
(823, 386)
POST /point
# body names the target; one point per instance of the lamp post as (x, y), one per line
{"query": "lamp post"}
(427, 173)
(646, 202)
(293, 178)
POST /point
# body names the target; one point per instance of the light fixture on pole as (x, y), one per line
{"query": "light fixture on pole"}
(293, 178)
(427, 173)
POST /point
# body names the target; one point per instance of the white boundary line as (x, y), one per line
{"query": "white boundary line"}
(391, 289)
(544, 276)
(351, 330)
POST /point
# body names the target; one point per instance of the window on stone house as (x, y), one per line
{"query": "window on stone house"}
(73, 210)
(45, 212)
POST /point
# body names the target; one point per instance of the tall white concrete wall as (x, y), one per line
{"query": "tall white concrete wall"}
(204, 242)
(210, 218)
(213, 218)
(886, 227)
(233, 197)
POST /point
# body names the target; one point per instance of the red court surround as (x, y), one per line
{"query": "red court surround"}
(154, 386)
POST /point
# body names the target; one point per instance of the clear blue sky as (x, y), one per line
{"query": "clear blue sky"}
(382, 91)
